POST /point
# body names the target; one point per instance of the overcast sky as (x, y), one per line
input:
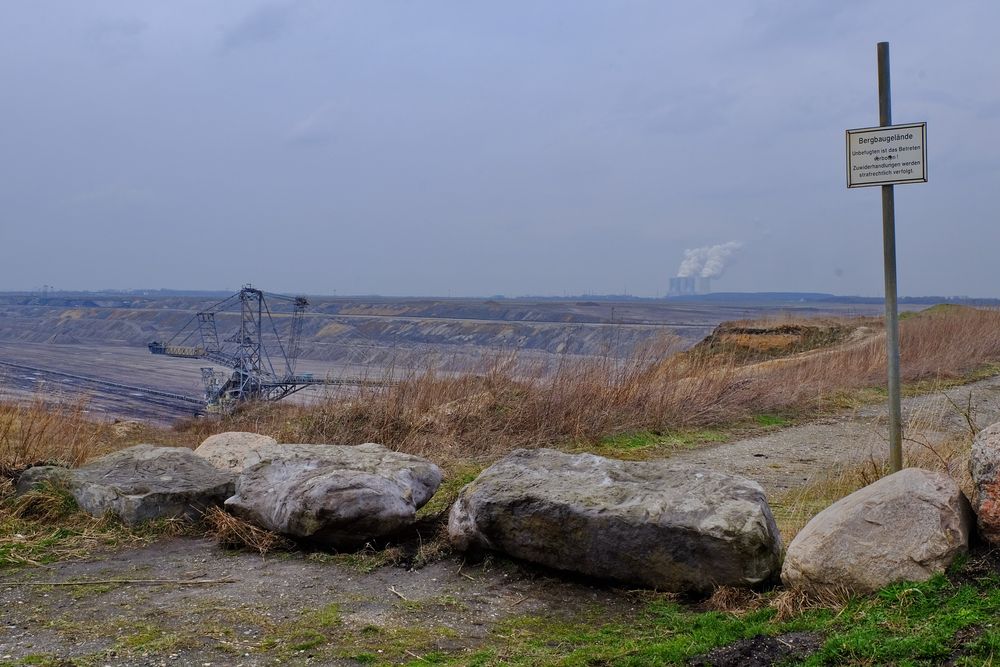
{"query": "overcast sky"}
(477, 148)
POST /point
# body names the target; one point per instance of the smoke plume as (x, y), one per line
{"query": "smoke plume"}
(708, 261)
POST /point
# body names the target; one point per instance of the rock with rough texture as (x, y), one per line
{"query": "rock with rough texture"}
(984, 466)
(235, 451)
(142, 483)
(37, 477)
(340, 496)
(668, 526)
(904, 527)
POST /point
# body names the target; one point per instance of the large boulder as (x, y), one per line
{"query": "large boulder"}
(339, 496)
(668, 526)
(234, 451)
(904, 527)
(984, 466)
(140, 483)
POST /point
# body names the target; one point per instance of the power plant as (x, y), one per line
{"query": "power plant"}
(689, 285)
(699, 266)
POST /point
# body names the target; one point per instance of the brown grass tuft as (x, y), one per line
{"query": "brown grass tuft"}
(733, 600)
(789, 603)
(234, 532)
(47, 503)
(43, 432)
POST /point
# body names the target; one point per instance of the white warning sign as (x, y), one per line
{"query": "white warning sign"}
(889, 155)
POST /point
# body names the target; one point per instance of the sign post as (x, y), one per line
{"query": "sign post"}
(889, 260)
(884, 156)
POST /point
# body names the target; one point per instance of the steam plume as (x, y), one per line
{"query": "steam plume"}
(707, 261)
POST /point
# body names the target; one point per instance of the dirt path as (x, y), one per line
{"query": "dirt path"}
(793, 456)
(291, 608)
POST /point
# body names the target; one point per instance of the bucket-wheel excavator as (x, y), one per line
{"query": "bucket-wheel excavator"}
(263, 368)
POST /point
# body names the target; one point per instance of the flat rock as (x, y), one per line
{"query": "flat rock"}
(234, 451)
(339, 496)
(667, 526)
(140, 483)
(984, 467)
(907, 526)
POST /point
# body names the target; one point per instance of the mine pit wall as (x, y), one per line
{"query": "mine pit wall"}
(354, 333)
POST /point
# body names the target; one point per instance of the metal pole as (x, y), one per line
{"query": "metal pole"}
(889, 255)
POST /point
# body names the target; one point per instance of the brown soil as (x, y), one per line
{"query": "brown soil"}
(762, 651)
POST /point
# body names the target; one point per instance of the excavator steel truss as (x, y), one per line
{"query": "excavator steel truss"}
(253, 375)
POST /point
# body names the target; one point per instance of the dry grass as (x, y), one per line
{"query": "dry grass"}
(47, 432)
(789, 603)
(45, 525)
(733, 600)
(476, 417)
(234, 532)
(56, 433)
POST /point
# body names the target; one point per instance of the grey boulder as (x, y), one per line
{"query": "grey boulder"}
(38, 476)
(984, 466)
(907, 526)
(339, 496)
(667, 526)
(235, 450)
(140, 483)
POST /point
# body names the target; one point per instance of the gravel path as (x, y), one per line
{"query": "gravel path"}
(793, 456)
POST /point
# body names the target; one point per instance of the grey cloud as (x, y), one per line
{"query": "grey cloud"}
(562, 146)
(265, 24)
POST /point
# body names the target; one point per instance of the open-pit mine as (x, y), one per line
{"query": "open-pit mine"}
(94, 347)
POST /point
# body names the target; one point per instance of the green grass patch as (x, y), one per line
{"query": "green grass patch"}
(310, 630)
(445, 496)
(906, 624)
(660, 443)
(39, 659)
(364, 561)
(771, 421)
(324, 635)
(150, 638)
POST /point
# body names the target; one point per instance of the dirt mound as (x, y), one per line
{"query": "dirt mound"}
(762, 651)
(753, 341)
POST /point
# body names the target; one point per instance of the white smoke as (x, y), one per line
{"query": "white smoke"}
(708, 261)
